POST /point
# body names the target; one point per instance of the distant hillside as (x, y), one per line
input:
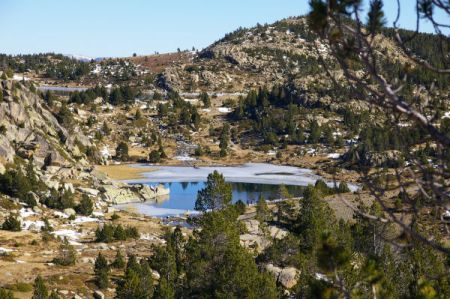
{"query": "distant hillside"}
(285, 52)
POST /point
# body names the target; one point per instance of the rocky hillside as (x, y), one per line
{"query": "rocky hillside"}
(30, 129)
(284, 52)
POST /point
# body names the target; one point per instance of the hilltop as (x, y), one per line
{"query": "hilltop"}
(260, 94)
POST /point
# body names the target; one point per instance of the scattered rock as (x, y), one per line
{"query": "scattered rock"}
(99, 295)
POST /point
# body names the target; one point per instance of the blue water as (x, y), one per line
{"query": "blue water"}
(184, 194)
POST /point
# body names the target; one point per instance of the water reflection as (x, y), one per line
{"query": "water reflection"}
(183, 194)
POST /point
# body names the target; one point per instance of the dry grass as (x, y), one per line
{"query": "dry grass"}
(157, 63)
(123, 171)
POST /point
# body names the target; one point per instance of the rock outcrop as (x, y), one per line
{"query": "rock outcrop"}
(30, 130)
(288, 277)
(120, 193)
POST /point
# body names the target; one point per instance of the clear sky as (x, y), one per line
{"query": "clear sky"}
(100, 28)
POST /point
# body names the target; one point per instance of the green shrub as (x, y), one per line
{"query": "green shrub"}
(60, 201)
(21, 287)
(343, 188)
(6, 294)
(122, 152)
(101, 270)
(115, 216)
(86, 206)
(12, 223)
(240, 207)
(119, 261)
(67, 254)
(154, 157)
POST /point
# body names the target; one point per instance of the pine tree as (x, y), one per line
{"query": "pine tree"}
(224, 139)
(138, 281)
(122, 151)
(86, 206)
(314, 132)
(283, 192)
(67, 254)
(138, 114)
(204, 97)
(40, 289)
(101, 270)
(216, 194)
(217, 264)
(161, 151)
(119, 261)
(262, 210)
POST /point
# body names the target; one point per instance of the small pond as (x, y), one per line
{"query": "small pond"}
(248, 181)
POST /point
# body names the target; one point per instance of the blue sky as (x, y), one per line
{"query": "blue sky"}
(99, 28)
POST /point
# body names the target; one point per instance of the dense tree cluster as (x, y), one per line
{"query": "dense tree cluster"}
(17, 183)
(179, 113)
(56, 66)
(121, 95)
(110, 233)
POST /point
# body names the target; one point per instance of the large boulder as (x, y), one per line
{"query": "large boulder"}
(119, 195)
(89, 191)
(70, 212)
(287, 277)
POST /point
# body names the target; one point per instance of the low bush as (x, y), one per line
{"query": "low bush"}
(12, 223)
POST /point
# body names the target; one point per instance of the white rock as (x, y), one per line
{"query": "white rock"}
(70, 211)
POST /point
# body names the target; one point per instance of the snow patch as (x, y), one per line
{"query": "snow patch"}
(24, 213)
(224, 109)
(184, 158)
(33, 225)
(67, 233)
(5, 250)
(84, 219)
(18, 77)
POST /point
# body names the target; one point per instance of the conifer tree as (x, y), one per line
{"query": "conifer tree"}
(262, 210)
(224, 139)
(40, 289)
(86, 206)
(67, 254)
(101, 270)
(119, 261)
(216, 194)
(204, 97)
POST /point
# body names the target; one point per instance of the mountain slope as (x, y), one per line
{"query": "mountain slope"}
(30, 129)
